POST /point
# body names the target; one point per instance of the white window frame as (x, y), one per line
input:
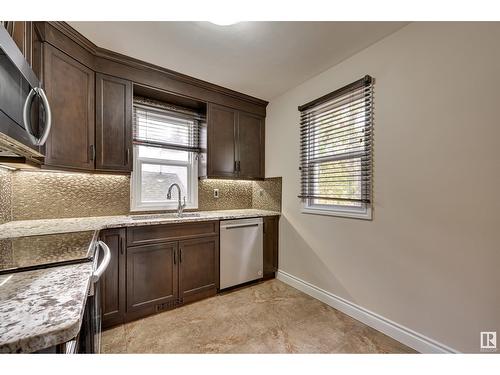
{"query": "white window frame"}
(364, 212)
(136, 184)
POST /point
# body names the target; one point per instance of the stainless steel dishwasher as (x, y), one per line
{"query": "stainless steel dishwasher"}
(241, 251)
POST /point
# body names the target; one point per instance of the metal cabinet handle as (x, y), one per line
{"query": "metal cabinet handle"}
(92, 152)
(180, 255)
(121, 245)
(105, 262)
(175, 251)
(27, 116)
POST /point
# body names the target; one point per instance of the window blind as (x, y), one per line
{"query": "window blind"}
(336, 145)
(158, 124)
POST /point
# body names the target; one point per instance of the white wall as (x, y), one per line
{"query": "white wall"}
(430, 259)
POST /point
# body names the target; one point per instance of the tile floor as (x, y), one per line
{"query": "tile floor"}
(270, 317)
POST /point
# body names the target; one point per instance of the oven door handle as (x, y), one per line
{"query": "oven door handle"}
(104, 264)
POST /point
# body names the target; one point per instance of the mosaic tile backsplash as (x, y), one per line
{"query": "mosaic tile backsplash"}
(266, 195)
(5, 195)
(232, 195)
(51, 195)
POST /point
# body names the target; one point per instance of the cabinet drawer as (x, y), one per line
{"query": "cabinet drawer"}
(167, 232)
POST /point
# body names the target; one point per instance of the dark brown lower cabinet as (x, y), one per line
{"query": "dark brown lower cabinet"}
(167, 265)
(198, 268)
(152, 279)
(271, 228)
(113, 281)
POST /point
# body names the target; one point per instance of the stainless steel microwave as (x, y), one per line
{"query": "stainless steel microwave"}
(25, 115)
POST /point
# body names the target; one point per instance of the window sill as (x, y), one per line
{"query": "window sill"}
(365, 214)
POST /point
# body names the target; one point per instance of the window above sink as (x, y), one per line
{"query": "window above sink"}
(166, 146)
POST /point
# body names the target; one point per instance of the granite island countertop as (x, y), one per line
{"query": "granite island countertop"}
(42, 308)
(49, 226)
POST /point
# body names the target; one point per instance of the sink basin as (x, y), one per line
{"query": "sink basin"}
(164, 216)
(188, 214)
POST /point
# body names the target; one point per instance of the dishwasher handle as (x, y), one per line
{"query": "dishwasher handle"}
(241, 226)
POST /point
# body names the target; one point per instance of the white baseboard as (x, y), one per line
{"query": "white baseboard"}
(398, 332)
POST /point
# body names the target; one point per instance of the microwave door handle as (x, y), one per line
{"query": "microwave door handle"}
(27, 116)
(104, 264)
(48, 116)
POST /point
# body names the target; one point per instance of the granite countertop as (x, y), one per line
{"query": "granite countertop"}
(48, 226)
(42, 308)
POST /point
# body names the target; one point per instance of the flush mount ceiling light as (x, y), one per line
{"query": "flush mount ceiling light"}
(224, 22)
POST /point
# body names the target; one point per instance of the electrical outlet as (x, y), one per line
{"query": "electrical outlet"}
(216, 193)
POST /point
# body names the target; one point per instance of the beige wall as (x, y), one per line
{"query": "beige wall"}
(430, 258)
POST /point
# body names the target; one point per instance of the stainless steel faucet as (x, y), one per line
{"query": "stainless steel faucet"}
(180, 206)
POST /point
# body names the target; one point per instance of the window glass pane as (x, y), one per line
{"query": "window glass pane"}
(341, 178)
(156, 178)
(162, 153)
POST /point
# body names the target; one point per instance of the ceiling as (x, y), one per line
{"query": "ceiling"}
(262, 59)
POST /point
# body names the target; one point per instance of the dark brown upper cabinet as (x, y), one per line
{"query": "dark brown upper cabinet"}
(113, 123)
(22, 35)
(90, 92)
(113, 281)
(250, 146)
(69, 86)
(235, 143)
(222, 136)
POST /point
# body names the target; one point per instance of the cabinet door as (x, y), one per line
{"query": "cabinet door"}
(271, 227)
(221, 141)
(152, 279)
(70, 90)
(113, 123)
(250, 146)
(21, 33)
(198, 268)
(113, 280)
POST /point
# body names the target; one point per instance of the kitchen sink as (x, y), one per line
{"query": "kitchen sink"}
(189, 214)
(164, 216)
